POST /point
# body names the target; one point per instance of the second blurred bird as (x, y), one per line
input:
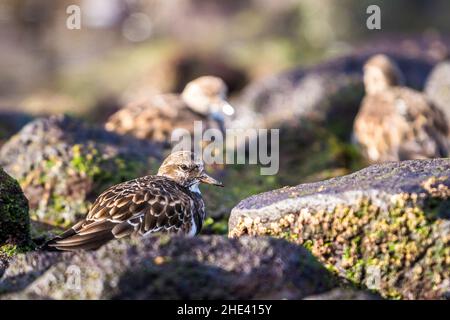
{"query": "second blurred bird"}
(203, 99)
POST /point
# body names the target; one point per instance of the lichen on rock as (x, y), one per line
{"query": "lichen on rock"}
(62, 164)
(385, 227)
(14, 218)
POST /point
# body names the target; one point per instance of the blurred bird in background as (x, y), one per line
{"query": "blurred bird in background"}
(394, 122)
(203, 99)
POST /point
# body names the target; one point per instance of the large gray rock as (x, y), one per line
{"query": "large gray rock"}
(386, 226)
(63, 164)
(206, 267)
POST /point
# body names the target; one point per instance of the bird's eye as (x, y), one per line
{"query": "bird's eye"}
(183, 167)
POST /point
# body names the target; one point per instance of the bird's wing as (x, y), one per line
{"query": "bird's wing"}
(400, 124)
(373, 128)
(426, 124)
(148, 205)
(142, 206)
(148, 119)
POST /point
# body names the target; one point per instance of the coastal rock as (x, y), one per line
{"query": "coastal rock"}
(62, 164)
(14, 218)
(386, 227)
(205, 267)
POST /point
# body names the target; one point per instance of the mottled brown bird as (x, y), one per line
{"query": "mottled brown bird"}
(203, 99)
(394, 122)
(168, 202)
(437, 87)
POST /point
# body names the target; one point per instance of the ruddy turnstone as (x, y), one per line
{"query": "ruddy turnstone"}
(168, 202)
(437, 87)
(397, 123)
(203, 99)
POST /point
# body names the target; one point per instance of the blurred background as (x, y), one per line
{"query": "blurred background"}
(294, 65)
(131, 47)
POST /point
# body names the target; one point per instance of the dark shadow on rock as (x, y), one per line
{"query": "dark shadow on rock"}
(206, 267)
(289, 276)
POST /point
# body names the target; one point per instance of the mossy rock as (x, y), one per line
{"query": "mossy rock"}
(386, 227)
(63, 164)
(164, 267)
(14, 218)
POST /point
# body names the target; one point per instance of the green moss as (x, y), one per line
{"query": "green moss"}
(14, 219)
(86, 162)
(308, 244)
(9, 250)
(215, 226)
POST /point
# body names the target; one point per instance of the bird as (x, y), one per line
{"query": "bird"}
(156, 118)
(169, 202)
(395, 122)
(437, 86)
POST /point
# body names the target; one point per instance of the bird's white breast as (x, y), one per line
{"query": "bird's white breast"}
(195, 188)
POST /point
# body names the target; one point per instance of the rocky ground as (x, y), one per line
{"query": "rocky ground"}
(381, 232)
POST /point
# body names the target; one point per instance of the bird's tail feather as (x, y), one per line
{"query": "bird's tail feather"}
(82, 236)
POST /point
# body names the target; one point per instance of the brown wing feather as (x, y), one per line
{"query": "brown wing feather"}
(400, 124)
(152, 118)
(156, 118)
(142, 206)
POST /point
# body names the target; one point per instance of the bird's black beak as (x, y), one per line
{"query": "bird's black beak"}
(204, 178)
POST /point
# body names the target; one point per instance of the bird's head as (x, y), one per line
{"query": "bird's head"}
(186, 169)
(380, 73)
(207, 95)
